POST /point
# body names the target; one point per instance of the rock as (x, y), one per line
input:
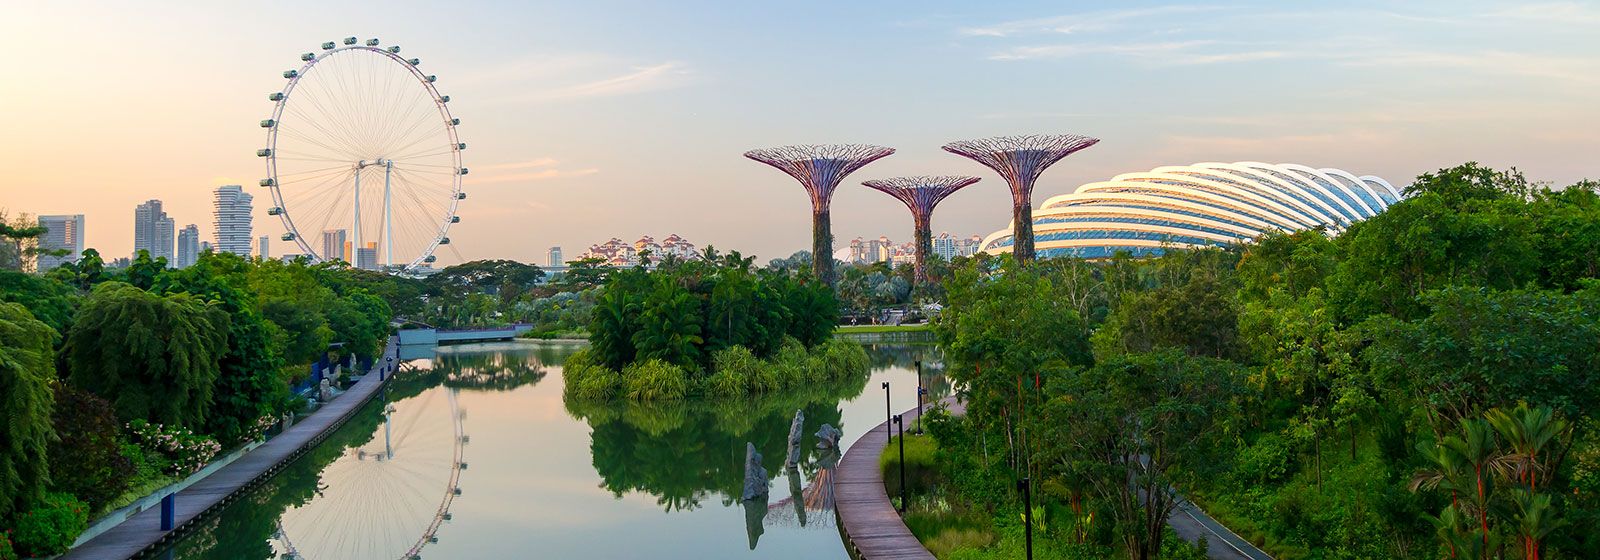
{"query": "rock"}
(796, 431)
(828, 437)
(755, 475)
(325, 391)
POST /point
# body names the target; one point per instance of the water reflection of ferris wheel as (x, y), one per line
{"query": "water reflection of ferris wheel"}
(387, 499)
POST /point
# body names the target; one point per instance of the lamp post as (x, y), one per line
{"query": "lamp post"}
(920, 392)
(888, 412)
(898, 422)
(389, 361)
(1027, 515)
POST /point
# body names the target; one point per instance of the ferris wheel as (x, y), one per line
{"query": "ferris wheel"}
(363, 159)
(387, 499)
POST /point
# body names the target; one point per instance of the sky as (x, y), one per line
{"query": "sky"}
(599, 119)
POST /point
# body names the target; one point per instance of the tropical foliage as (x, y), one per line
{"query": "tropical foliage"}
(1420, 386)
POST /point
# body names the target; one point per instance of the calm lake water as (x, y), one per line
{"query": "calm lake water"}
(474, 454)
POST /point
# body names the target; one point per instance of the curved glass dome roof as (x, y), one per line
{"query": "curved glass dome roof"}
(1198, 205)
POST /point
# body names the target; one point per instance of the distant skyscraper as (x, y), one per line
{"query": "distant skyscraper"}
(555, 257)
(188, 245)
(945, 246)
(62, 233)
(366, 258)
(205, 246)
(152, 231)
(261, 247)
(333, 245)
(233, 219)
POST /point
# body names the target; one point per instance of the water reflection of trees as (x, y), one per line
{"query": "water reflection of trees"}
(901, 355)
(687, 451)
(490, 371)
(243, 530)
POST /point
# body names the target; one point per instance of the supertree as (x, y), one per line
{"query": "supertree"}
(921, 194)
(820, 169)
(1020, 160)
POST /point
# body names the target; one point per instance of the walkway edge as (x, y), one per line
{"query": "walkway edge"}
(867, 520)
(140, 534)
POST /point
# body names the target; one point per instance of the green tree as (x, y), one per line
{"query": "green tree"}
(249, 384)
(86, 457)
(47, 298)
(1136, 427)
(155, 358)
(26, 371)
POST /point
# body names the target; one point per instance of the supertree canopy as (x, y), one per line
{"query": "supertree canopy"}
(820, 169)
(1020, 160)
(921, 194)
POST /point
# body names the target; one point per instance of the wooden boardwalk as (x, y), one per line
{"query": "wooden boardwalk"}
(872, 529)
(141, 534)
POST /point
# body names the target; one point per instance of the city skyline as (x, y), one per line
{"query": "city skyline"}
(578, 121)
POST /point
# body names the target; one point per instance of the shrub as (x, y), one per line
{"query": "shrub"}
(583, 378)
(654, 380)
(735, 369)
(6, 551)
(184, 451)
(51, 527)
(1269, 459)
(840, 359)
(86, 458)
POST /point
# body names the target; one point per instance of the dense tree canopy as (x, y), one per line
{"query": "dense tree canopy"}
(26, 403)
(154, 357)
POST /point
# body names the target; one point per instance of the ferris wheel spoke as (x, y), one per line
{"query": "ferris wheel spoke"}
(314, 173)
(346, 147)
(406, 139)
(325, 145)
(414, 101)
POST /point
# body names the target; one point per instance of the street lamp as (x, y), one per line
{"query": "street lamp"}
(1027, 514)
(898, 422)
(389, 367)
(888, 412)
(920, 392)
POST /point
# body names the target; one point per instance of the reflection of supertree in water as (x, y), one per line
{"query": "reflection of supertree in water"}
(1020, 160)
(820, 169)
(921, 195)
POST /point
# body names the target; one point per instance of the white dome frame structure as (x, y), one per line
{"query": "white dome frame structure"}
(1205, 204)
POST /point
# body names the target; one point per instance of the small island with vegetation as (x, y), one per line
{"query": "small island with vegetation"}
(715, 328)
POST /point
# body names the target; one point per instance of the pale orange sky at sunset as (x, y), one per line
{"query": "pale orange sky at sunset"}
(593, 120)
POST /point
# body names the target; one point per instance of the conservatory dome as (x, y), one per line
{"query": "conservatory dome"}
(1205, 204)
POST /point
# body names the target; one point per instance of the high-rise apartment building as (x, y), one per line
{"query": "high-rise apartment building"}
(261, 247)
(333, 245)
(365, 258)
(152, 231)
(233, 219)
(554, 259)
(62, 233)
(188, 245)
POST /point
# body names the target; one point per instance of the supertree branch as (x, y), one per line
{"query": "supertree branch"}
(1020, 160)
(921, 194)
(820, 169)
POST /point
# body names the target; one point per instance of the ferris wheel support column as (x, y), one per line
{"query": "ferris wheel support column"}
(388, 228)
(355, 245)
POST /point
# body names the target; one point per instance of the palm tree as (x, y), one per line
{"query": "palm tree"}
(1527, 431)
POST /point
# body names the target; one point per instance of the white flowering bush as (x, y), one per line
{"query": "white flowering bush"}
(183, 451)
(259, 428)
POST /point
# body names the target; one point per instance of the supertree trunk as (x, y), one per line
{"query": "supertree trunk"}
(924, 234)
(822, 245)
(1022, 231)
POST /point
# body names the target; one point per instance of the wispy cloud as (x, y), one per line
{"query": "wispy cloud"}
(648, 78)
(576, 76)
(1080, 23)
(1569, 13)
(531, 170)
(1173, 53)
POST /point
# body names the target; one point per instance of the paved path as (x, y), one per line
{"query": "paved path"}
(1190, 523)
(871, 527)
(142, 532)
